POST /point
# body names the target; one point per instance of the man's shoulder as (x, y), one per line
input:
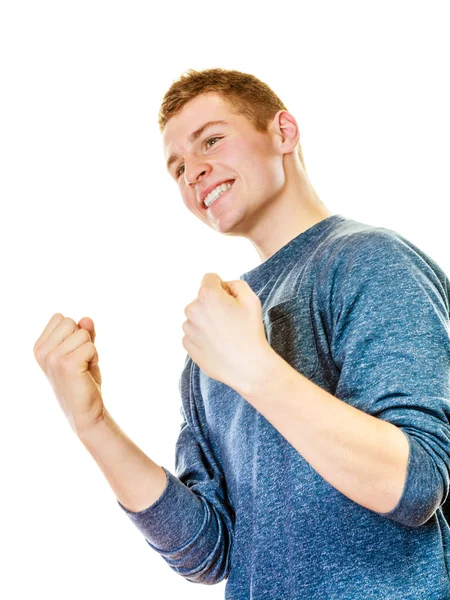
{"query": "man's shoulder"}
(355, 243)
(359, 255)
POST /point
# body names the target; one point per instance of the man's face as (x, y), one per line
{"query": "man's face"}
(232, 153)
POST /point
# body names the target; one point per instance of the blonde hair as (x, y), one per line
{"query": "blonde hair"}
(244, 93)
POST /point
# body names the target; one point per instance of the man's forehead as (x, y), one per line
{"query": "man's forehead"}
(193, 115)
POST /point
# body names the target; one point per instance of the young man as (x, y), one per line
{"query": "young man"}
(313, 457)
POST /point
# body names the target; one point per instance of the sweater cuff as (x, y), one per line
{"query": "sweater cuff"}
(421, 496)
(164, 524)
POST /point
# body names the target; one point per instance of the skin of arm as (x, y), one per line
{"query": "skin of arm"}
(136, 480)
(363, 457)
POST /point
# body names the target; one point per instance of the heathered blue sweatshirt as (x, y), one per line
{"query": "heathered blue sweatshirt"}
(363, 313)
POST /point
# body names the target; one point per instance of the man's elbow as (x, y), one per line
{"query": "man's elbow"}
(425, 488)
(210, 573)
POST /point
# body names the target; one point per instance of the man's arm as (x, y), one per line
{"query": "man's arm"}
(192, 529)
(135, 479)
(186, 518)
(363, 457)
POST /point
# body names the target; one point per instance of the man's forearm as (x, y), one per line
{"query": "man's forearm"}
(135, 479)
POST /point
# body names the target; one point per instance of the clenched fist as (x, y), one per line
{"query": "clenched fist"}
(66, 353)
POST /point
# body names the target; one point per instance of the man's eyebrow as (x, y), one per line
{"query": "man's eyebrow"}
(195, 135)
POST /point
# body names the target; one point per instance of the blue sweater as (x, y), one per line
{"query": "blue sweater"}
(363, 313)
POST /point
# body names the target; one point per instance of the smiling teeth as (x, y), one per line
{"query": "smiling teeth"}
(216, 193)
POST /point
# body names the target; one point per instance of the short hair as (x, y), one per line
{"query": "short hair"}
(244, 93)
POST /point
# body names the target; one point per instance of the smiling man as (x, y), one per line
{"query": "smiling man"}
(313, 457)
(259, 174)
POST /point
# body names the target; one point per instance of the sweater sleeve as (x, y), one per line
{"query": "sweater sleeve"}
(191, 524)
(390, 341)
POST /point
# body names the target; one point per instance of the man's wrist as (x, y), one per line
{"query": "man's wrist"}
(259, 370)
(88, 426)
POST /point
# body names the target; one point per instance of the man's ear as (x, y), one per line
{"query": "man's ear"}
(286, 131)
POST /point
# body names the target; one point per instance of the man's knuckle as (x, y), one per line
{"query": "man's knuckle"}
(84, 334)
(203, 292)
(39, 353)
(65, 363)
(52, 360)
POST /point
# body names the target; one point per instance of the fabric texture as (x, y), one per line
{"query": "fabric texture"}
(363, 313)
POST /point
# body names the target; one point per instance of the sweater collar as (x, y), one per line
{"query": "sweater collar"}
(296, 249)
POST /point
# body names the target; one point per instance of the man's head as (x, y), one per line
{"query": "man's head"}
(254, 145)
(245, 94)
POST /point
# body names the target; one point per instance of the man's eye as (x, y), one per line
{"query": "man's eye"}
(211, 139)
(178, 170)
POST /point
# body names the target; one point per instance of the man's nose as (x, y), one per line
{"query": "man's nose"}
(194, 170)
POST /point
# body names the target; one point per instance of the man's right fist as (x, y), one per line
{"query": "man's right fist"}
(66, 353)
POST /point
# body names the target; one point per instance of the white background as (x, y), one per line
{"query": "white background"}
(92, 225)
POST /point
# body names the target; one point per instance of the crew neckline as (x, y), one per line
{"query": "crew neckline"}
(274, 263)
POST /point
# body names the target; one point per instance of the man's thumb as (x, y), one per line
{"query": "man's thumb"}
(87, 323)
(239, 289)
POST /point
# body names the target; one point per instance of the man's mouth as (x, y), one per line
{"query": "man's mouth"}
(217, 193)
